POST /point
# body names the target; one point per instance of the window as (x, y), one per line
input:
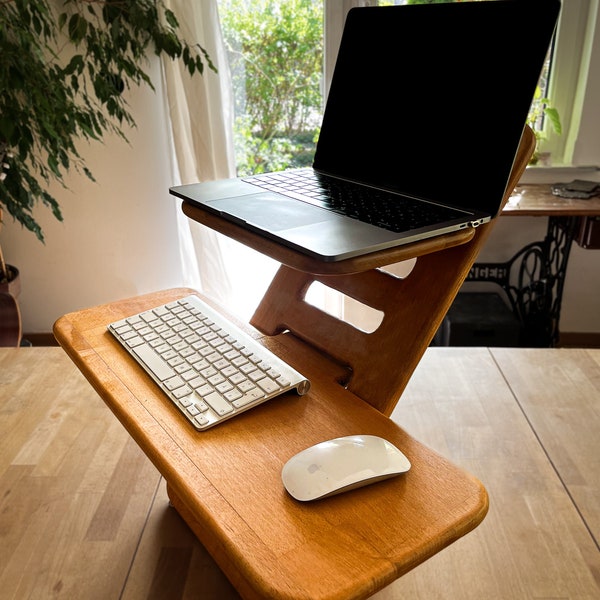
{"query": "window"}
(313, 32)
(570, 74)
(275, 50)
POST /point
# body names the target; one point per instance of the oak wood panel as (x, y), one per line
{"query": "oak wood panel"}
(226, 481)
(534, 542)
(379, 364)
(74, 487)
(560, 395)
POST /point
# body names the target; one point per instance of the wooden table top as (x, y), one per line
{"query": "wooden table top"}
(534, 200)
(84, 513)
(227, 480)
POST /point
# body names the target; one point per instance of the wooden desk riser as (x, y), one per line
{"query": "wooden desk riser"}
(226, 483)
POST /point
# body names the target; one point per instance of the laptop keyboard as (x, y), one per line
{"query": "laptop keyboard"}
(370, 205)
(209, 368)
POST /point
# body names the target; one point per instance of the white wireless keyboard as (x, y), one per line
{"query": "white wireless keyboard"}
(207, 366)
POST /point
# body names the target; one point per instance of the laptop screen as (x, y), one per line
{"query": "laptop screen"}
(431, 100)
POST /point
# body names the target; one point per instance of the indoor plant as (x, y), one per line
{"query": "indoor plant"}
(541, 109)
(64, 66)
(9, 275)
(10, 316)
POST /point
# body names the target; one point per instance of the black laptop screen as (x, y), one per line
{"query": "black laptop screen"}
(431, 100)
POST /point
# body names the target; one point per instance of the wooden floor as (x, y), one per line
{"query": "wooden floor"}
(84, 514)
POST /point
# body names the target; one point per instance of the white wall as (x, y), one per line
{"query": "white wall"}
(118, 238)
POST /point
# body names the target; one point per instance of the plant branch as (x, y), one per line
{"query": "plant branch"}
(62, 74)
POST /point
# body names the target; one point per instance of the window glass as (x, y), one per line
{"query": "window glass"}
(280, 49)
(569, 75)
(275, 50)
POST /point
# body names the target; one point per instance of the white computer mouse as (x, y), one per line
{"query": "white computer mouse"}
(340, 465)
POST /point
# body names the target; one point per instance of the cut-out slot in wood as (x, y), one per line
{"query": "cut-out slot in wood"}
(343, 307)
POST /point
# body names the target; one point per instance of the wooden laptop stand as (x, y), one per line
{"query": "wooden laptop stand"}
(225, 482)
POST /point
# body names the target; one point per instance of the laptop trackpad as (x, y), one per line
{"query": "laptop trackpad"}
(310, 229)
(272, 212)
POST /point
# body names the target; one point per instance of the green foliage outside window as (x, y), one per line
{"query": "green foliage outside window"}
(276, 57)
(276, 52)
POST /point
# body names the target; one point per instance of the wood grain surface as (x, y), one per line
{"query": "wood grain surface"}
(226, 481)
(83, 514)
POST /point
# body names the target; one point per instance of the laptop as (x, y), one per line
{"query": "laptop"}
(423, 120)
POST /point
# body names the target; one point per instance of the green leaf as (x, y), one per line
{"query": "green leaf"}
(37, 24)
(53, 164)
(77, 28)
(7, 130)
(75, 64)
(554, 118)
(171, 19)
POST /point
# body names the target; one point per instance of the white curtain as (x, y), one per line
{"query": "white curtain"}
(201, 115)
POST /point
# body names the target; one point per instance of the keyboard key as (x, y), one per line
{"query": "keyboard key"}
(218, 403)
(268, 385)
(248, 398)
(154, 362)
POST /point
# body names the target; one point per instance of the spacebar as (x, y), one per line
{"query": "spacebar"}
(155, 363)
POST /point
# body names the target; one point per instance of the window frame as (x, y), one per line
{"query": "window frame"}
(570, 76)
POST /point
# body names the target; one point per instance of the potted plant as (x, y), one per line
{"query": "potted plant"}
(63, 69)
(10, 315)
